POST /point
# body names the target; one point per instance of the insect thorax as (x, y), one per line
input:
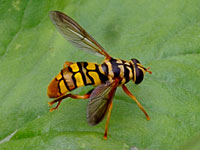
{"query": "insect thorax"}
(117, 68)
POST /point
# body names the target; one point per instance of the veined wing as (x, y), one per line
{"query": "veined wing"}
(74, 33)
(100, 99)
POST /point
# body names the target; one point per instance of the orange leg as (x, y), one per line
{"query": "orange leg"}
(147, 70)
(59, 99)
(134, 98)
(107, 121)
(67, 64)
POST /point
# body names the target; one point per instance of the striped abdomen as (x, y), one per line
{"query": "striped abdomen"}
(74, 76)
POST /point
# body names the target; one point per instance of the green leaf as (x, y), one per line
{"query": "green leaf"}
(193, 144)
(163, 35)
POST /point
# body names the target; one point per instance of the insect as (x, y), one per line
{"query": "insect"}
(106, 77)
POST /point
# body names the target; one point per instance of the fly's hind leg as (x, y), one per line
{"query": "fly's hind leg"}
(59, 99)
(67, 64)
(107, 121)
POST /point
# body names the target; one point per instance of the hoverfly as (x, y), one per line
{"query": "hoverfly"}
(106, 77)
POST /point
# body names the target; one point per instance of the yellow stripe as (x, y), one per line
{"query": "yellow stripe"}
(121, 68)
(74, 67)
(95, 76)
(138, 64)
(88, 81)
(62, 87)
(141, 69)
(91, 66)
(110, 71)
(134, 76)
(126, 63)
(59, 76)
(79, 80)
(123, 81)
(130, 73)
(101, 70)
(121, 71)
(119, 61)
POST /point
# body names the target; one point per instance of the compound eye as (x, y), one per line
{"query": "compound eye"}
(139, 75)
(135, 61)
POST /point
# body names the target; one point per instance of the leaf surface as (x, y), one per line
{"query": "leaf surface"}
(164, 35)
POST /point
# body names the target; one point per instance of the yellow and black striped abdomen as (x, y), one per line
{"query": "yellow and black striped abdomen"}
(74, 76)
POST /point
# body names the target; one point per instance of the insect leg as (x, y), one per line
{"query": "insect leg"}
(134, 98)
(107, 121)
(59, 99)
(67, 64)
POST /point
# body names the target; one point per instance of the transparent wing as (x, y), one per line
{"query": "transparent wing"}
(74, 33)
(100, 99)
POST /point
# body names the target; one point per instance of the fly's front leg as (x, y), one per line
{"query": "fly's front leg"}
(134, 98)
(59, 99)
